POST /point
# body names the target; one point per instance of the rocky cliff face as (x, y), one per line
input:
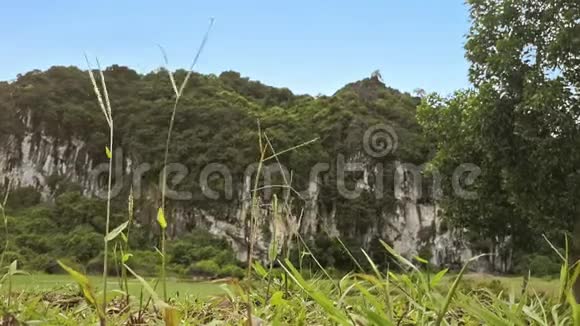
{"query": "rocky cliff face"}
(52, 138)
(413, 227)
(35, 159)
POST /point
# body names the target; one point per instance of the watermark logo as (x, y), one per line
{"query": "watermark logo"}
(352, 175)
(380, 140)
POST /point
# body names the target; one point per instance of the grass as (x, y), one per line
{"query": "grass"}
(107, 112)
(48, 282)
(547, 286)
(380, 298)
(178, 94)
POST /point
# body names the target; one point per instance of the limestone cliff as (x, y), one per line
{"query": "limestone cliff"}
(413, 227)
(51, 134)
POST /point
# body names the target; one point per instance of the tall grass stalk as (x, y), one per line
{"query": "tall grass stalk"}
(265, 144)
(105, 106)
(178, 94)
(255, 214)
(255, 208)
(5, 220)
(12, 267)
(255, 211)
(123, 246)
(125, 252)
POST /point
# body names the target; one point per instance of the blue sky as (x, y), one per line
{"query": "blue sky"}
(308, 46)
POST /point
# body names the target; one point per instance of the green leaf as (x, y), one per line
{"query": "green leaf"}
(273, 249)
(161, 219)
(334, 313)
(170, 314)
(438, 277)
(260, 270)
(399, 257)
(421, 260)
(113, 234)
(277, 299)
(160, 303)
(452, 290)
(84, 284)
(13, 267)
(12, 270)
(108, 152)
(126, 257)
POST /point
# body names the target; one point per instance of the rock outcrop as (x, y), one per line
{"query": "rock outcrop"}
(413, 227)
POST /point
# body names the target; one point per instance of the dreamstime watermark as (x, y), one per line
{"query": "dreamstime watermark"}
(351, 176)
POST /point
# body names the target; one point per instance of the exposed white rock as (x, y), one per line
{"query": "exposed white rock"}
(30, 161)
(412, 227)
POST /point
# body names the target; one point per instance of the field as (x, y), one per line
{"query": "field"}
(413, 298)
(203, 290)
(46, 282)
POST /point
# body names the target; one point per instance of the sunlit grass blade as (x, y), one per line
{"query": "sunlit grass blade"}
(326, 303)
(438, 277)
(116, 231)
(451, 292)
(161, 218)
(86, 288)
(399, 257)
(477, 309)
(170, 314)
(355, 261)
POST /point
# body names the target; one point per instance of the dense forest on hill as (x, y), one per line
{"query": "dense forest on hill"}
(217, 122)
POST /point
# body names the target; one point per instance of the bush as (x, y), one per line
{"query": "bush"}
(145, 263)
(232, 270)
(537, 265)
(41, 263)
(84, 243)
(205, 268)
(543, 266)
(10, 256)
(197, 247)
(23, 197)
(72, 229)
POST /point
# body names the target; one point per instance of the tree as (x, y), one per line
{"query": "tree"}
(525, 65)
(525, 70)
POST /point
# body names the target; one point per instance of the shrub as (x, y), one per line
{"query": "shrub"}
(537, 265)
(144, 262)
(10, 256)
(232, 270)
(199, 246)
(543, 266)
(41, 263)
(205, 267)
(23, 197)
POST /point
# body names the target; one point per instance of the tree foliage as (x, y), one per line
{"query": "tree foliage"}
(520, 123)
